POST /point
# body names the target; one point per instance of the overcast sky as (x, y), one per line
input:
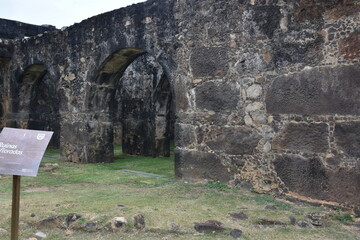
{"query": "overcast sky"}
(59, 13)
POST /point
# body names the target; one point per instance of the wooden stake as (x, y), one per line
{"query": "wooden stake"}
(15, 208)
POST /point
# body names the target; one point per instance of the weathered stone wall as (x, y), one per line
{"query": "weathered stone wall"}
(13, 29)
(272, 95)
(265, 92)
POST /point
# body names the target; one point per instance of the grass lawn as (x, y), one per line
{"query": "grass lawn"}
(99, 193)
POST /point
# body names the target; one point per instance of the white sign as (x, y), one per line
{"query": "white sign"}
(21, 150)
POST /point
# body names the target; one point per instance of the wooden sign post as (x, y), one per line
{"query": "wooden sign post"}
(21, 152)
(15, 211)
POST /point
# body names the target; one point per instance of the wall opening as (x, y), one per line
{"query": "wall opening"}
(144, 109)
(38, 105)
(132, 99)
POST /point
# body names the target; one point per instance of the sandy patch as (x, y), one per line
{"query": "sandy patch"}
(41, 189)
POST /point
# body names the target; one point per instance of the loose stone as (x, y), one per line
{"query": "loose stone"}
(209, 226)
(236, 233)
(139, 221)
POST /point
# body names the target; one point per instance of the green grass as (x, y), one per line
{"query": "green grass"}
(97, 190)
(344, 218)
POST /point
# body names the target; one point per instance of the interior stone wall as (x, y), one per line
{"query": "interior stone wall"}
(144, 108)
(265, 91)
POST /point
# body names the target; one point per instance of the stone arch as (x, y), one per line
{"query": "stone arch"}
(28, 83)
(38, 106)
(107, 78)
(145, 101)
(24, 94)
(101, 108)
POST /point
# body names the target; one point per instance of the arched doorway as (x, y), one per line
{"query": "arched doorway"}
(101, 105)
(144, 99)
(36, 104)
(103, 108)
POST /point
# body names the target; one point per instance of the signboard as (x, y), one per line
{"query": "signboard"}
(21, 151)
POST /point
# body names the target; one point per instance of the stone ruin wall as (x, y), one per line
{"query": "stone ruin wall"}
(266, 92)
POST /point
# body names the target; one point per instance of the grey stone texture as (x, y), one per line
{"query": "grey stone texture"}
(10, 29)
(347, 137)
(261, 92)
(310, 177)
(233, 141)
(326, 90)
(305, 137)
(217, 96)
(198, 165)
(209, 62)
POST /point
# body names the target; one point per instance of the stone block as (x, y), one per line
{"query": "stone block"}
(209, 62)
(342, 11)
(254, 91)
(309, 177)
(316, 91)
(184, 135)
(234, 140)
(180, 88)
(350, 47)
(347, 137)
(267, 18)
(198, 165)
(305, 176)
(217, 96)
(293, 48)
(305, 137)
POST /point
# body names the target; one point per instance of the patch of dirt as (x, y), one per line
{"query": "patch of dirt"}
(41, 189)
(295, 197)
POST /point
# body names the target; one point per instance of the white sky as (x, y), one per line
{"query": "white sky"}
(59, 13)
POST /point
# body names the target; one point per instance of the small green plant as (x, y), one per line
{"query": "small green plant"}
(346, 219)
(337, 209)
(217, 185)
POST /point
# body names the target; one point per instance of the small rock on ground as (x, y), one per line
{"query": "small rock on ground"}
(269, 222)
(72, 217)
(292, 220)
(139, 221)
(48, 167)
(118, 223)
(209, 226)
(40, 235)
(174, 226)
(50, 222)
(304, 224)
(236, 233)
(270, 207)
(240, 215)
(90, 227)
(317, 218)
